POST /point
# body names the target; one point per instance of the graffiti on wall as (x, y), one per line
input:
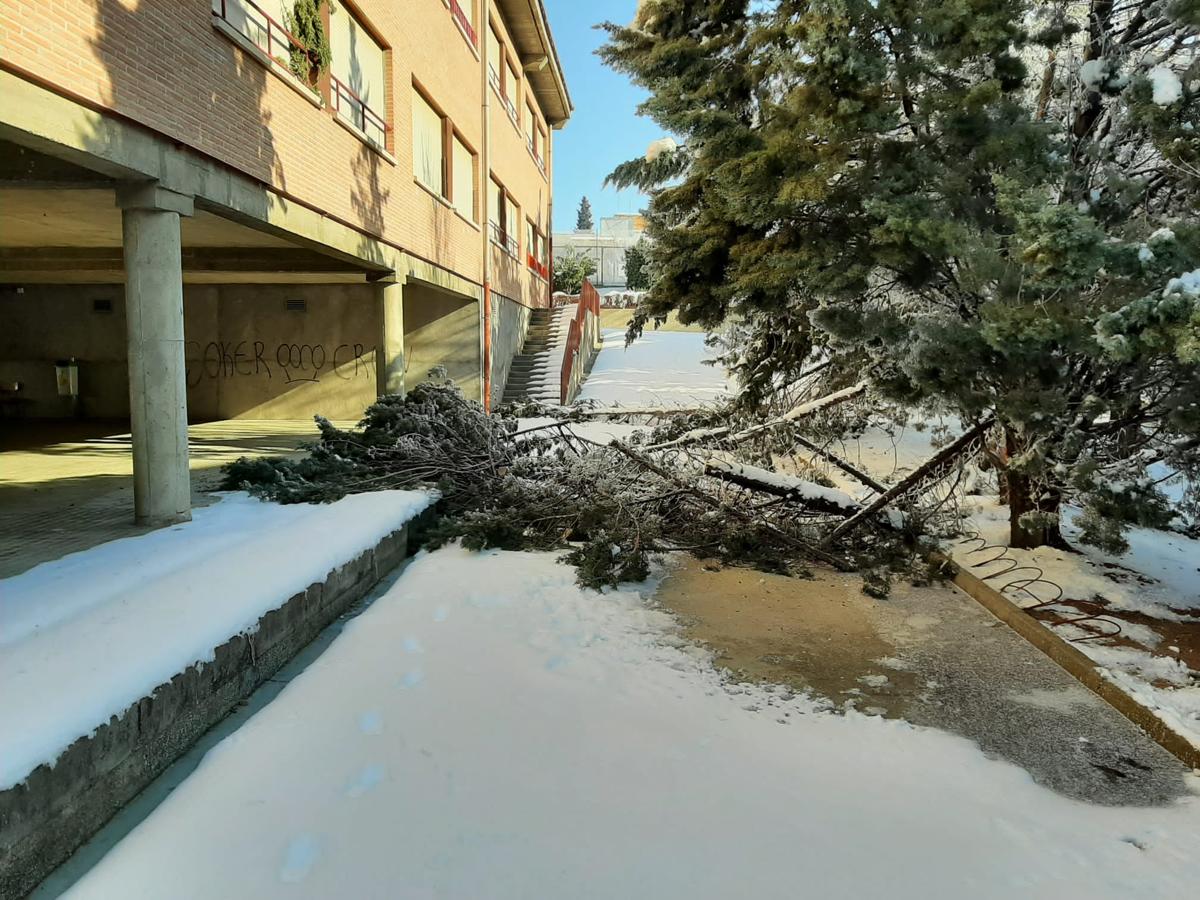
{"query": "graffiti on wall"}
(288, 361)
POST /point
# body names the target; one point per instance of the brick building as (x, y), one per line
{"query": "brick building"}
(211, 227)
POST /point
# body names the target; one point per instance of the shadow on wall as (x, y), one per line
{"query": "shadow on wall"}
(194, 75)
(441, 329)
(368, 198)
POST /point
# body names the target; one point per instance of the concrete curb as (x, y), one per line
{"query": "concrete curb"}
(57, 809)
(1076, 663)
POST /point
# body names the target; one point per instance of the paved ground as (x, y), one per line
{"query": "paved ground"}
(931, 656)
(67, 486)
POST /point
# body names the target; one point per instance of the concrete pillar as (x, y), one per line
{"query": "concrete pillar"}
(162, 490)
(389, 360)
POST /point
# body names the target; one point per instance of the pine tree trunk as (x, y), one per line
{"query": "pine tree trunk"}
(1019, 489)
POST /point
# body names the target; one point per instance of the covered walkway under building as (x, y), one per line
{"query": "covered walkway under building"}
(67, 485)
(179, 291)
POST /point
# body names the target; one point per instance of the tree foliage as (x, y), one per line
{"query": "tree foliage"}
(988, 206)
(309, 61)
(608, 506)
(583, 219)
(637, 276)
(571, 269)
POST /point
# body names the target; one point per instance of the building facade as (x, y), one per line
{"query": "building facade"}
(206, 223)
(606, 246)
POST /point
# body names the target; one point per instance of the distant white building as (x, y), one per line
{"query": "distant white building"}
(606, 246)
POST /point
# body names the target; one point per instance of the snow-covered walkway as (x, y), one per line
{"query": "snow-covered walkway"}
(85, 636)
(488, 729)
(659, 369)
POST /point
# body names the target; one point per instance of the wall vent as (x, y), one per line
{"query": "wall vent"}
(297, 304)
(102, 305)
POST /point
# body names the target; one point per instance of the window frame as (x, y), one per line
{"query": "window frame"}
(500, 231)
(444, 128)
(337, 87)
(458, 139)
(499, 80)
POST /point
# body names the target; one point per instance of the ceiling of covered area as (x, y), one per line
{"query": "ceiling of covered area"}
(59, 223)
(81, 217)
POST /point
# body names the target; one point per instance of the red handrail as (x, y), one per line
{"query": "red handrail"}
(339, 88)
(573, 341)
(589, 301)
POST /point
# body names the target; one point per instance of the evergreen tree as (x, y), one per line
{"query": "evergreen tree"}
(583, 221)
(571, 269)
(988, 206)
(637, 277)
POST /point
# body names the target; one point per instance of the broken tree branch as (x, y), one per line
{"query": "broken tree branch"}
(723, 435)
(715, 503)
(810, 495)
(852, 471)
(932, 468)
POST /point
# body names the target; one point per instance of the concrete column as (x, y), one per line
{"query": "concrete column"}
(389, 360)
(162, 490)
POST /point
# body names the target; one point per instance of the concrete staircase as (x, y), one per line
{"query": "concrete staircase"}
(536, 371)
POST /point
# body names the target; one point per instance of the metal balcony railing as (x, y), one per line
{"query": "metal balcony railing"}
(506, 242)
(349, 105)
(464, 22)
(256, 25)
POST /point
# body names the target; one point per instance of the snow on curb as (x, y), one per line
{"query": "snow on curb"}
(85, 636)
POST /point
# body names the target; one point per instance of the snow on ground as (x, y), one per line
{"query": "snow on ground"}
(661, 368)
(489, 729)
(600, 431)
(85, 636)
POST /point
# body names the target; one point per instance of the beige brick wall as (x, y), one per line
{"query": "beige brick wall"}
(161, 63)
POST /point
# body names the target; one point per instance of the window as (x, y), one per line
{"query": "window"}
(512, 226)
(503, 76)
(429, 152)
(535, 243)
(495, 58)
(503, 218)
(512, 88)
(463, 179)
(358, 75)
(535, 138)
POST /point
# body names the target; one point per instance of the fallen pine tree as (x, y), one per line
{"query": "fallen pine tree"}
(608, 504)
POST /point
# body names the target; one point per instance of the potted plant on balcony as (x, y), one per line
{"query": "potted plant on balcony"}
(310, 54)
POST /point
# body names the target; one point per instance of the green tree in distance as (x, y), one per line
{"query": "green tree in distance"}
(637, 277)
(583, 221)
(571, 269)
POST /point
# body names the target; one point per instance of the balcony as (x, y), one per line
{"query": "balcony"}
(253, 29)
(356, 111)
(464, 22)
(538, 267)
(506, 242)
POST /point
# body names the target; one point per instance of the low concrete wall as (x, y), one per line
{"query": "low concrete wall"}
(50, 815)
(510, 322)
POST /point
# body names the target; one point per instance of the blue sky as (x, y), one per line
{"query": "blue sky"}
(605, 129)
